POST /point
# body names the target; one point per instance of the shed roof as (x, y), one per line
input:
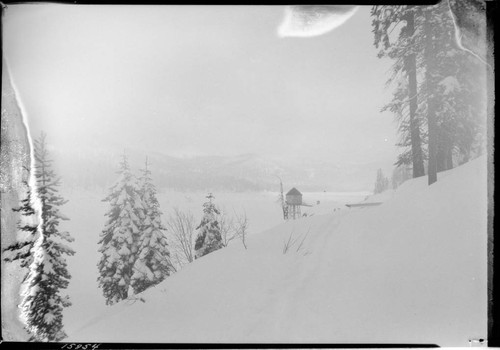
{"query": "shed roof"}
(294, 192)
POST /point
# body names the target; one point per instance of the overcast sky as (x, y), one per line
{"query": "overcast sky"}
(200, 80)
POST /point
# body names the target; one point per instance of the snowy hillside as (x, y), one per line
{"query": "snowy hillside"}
(412, 270)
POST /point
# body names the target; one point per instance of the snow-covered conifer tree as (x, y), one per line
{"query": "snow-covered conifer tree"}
(153, 257)
(120, 236)
(42, 303)
(28, 227)
(209, 238)
(442, 115)
(405, 49)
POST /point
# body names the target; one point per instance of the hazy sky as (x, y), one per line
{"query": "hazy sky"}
(199, 80)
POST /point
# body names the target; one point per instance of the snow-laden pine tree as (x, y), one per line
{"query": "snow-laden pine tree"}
(209, 238)
(446, 106)
(153, 257)
(453, 91)
(28, 228)
(42, 303)
(120, 236)
(403, 50)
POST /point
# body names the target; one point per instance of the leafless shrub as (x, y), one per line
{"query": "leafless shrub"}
(287, 244)
(291, 241)
(241, 229)
(181, 226)
(226, 225)
(302, 241)
(232, 227)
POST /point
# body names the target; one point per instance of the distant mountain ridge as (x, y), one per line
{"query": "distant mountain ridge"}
(245, 172)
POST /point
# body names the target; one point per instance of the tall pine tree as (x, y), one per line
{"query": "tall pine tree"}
(209, 237)
(42, 302)
(451, 92)
(153, 257)
(403, 50)
(120, 236)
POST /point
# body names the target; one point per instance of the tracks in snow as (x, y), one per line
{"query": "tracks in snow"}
(287, 298)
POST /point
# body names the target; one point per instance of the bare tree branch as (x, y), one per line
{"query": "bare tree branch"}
(181, 227)
(226, 225)
(241, 229)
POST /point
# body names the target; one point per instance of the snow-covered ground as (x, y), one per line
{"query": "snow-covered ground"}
(412, 270)
(86, 212)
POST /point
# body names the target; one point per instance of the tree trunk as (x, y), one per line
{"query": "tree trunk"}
(429, 55)
(411, 69)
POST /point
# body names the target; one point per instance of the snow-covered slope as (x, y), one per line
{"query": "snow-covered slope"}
(14, 158)
(412, 270)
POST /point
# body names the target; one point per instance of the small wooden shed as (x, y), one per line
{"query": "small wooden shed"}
(294, 197)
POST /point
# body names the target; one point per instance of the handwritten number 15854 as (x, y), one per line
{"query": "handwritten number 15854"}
(80, 346)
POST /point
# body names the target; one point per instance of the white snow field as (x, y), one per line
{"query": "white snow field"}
(412, 270)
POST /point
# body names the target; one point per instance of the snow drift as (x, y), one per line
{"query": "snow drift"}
(412, 270)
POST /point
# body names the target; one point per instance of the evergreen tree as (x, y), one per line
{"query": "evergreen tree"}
(153, 260)
(21, 250)
(453, 92)
(381, 183)
(42, 302)
(120, 236)
(209, 237)
(451, 103)
(403, 50)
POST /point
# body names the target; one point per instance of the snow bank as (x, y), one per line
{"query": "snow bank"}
(380, 197)
(412, 270)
